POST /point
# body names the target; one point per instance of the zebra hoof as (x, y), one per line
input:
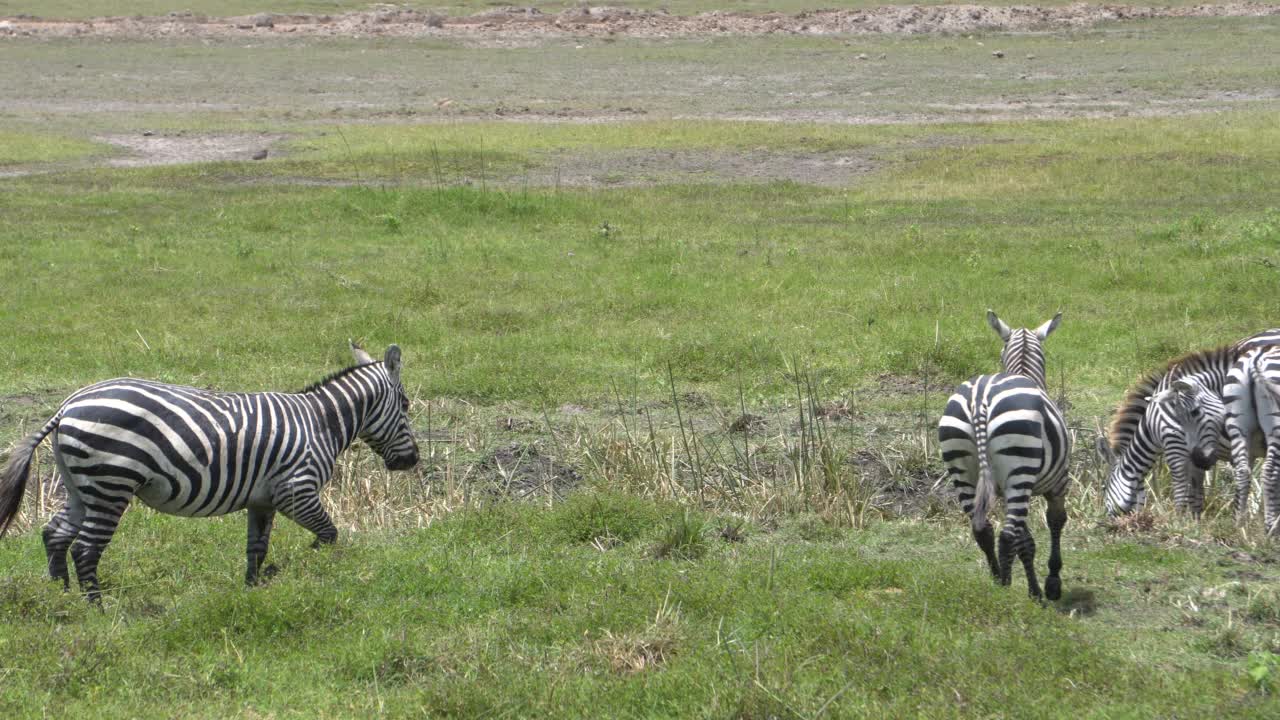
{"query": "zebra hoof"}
(1053, 588)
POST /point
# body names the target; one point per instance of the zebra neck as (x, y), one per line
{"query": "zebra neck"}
(1030, 370)
(340, 418)
(1138, 457)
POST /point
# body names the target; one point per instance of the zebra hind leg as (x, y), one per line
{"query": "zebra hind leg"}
(1271, 491)
(986, 538)
(260, 520)
(99, 526)
(58, 536)
(1009, 537)
(1056, 517)
(1027, 554)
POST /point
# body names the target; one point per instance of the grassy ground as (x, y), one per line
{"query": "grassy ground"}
(720, 283)
(514, 610)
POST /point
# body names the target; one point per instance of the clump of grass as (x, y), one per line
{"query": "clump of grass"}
(605, 518)
(1136, 523)
(1226, 642)
(1263, 669)
(627, 653)
(1264, 607)
(684, 538)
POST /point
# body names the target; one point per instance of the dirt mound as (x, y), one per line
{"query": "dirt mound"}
(508, 23)
(523, 472)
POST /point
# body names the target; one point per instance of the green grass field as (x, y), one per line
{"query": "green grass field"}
(676, 378)
(510, 610)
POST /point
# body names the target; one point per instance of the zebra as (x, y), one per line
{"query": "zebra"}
(1002, 433)
(196, 453)
(1183, 421)
(1252, 396)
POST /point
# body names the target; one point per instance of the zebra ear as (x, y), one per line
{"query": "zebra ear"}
(998, 325)
(357, 352)
(1043, 331)
(392, 360)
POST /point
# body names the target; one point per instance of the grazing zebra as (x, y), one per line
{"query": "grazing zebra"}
(1002, 434)
(1253, 427)
(1185, 425)
(186, 451)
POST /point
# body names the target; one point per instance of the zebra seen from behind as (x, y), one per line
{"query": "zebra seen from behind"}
(1178, 412)
(1001, 435)
(192, 452)
(1252, 396)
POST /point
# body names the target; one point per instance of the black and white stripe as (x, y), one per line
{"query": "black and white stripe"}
(1001, 434)
(1176, 412)
(186, 451)
(1253, 429)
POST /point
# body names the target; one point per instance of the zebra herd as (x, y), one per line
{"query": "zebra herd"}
(1002, 434)
(192, 452)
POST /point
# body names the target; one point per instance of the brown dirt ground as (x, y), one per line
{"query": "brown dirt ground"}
(156, 149)
(515, 23)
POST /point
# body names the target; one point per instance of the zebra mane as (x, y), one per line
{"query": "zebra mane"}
(1128, 414)
(334, 376)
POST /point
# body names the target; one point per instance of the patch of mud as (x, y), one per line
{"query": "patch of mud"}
(524, 472)
(512, 22)
(905, 493)
(147, 149)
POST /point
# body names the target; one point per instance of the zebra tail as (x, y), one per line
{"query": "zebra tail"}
(13, 478)
(984, 495)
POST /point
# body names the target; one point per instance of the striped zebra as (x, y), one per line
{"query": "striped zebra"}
(1252, 396)
(1002, 434)
(196, 453)
(1183, 421)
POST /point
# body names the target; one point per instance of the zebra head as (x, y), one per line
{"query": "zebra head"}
(1023, 352)
(386, 428)
(1199, 414)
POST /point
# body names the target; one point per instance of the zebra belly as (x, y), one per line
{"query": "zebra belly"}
(158, 494)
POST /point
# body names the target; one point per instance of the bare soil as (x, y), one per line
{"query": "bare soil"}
(157, 149)
(514, 22)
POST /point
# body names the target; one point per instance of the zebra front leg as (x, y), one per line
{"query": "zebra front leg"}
(260, 520)
(58, 536)
(1195, 499)
(300, 502)
(1178, 479)
(1056, 518)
